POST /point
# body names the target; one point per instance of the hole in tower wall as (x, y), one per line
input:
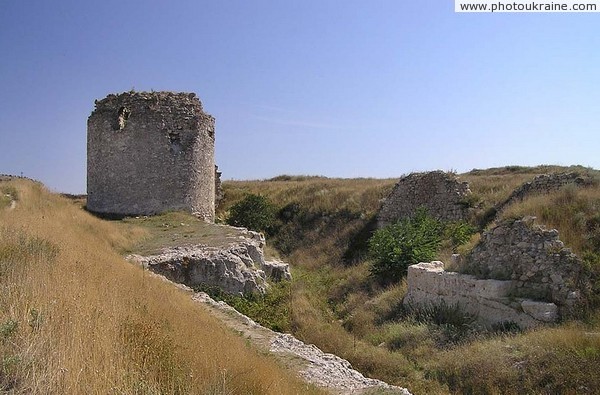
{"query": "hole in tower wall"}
(174, 142)
(122, 117)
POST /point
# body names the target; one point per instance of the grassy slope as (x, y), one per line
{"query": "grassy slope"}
(76, 318)
(337, 306)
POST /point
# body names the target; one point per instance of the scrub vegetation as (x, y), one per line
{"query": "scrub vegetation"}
(324, 228)
(75, 318)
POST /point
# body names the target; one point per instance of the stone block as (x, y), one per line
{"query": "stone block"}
(541, 311)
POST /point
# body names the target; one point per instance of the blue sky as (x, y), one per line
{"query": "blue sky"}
(334, 88)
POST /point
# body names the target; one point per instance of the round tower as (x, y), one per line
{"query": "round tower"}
(150, 152)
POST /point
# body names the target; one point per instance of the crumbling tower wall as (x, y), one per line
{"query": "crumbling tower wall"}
(150, 152)
(442, 194)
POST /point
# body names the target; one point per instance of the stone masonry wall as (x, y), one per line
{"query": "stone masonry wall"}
(490, 301)
(544, 183)
(442, 194)
(534, 260)
(150, 152)
(219, 193)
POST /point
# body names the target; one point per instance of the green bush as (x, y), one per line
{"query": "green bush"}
(458, 233)
(397, 246)
(254, 212)
(271, 310)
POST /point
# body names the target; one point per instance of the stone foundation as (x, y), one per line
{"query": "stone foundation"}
(489, 300)
(535, 260)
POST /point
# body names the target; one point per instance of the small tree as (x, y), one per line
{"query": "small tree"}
(407, 242)
(254, 212)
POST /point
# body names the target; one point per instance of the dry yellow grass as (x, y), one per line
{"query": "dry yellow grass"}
(75, 318)
(573, 211)
(562, 360)
(318, 193)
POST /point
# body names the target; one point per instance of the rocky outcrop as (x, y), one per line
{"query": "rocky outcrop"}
(328, 370)
(490, 301)
(239, 268)
(441, 194)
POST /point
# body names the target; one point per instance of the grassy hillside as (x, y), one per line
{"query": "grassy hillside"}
(75, 318)
(322, 228)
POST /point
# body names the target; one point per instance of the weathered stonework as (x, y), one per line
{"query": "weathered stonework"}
(518, 272)
(219, 193)
(535, 260)
(489, 300)
(442, 194)
(542, 184)
(149, 153)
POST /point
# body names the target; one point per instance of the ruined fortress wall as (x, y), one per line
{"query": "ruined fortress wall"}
(442, 194)
(534, 260)
(490, 301)
(544, 183)
(149, 153)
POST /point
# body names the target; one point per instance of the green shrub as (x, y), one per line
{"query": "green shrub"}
(458, 233)
(8, 328)
(271, 310)
(397, 246)
(254, 212)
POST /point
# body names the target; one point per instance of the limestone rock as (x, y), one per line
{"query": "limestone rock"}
(239, 268)
(277, 271)
(541, 311)
(488, 300)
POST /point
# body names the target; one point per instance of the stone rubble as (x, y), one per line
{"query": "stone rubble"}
(536, 262)
(544, 183)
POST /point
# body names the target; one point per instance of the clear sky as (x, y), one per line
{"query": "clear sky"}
(334, 88)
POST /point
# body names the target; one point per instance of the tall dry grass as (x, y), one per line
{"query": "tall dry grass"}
(575, 212)
(319, 193)
(75, 318)
(336, 305)
(562, 360)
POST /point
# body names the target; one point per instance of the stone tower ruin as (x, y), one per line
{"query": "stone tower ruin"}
(150, 152)
(442, 194)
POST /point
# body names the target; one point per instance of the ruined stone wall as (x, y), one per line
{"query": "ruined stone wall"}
(534, 260)
(490, 301)
(544, 183)
(519, 272)
(442, 194)
(151, 152)
(219, 193)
